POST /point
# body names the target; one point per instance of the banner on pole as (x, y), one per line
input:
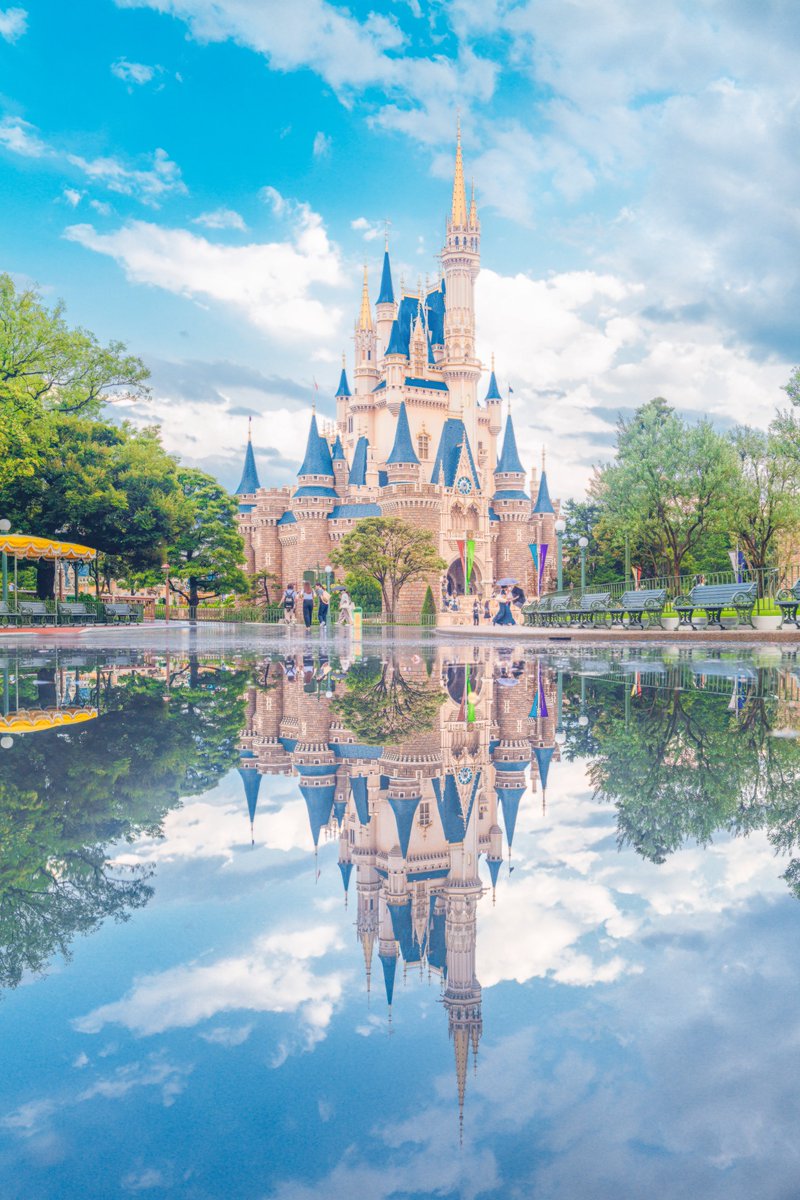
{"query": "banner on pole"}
(542, 560)
(636, 572)
(470, 562)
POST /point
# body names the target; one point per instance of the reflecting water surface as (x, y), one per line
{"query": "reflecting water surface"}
(424, 919)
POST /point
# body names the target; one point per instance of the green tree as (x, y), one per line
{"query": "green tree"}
(110, 486)
(44, 360)
(208, 554)
(763, 502)
(382, 707)
(364, 591)
(66, 797)
(666, 487)
(391, 552)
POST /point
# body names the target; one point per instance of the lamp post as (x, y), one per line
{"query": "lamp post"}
(560, 527)
(583, 543)
(5, 526)
(165, 569)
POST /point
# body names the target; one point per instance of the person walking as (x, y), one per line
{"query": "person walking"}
(476, 612)
(289, 603)
(323, 601)
(504, 616)
(345, 608)
(487, 614)
(308, 604)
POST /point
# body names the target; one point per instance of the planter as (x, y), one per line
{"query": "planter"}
(767, 624)
(670, 624)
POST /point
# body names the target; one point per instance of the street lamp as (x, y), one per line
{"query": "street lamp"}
(165, 569)
(561, 526)
(5, 526)
(583, 543)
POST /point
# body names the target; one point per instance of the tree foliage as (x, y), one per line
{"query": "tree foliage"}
(209, 551)
(391, 552)
(382, 707)
(763, 500)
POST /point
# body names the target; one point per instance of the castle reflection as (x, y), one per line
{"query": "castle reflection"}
(417, 767)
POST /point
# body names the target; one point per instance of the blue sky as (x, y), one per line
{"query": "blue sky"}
(204, 179)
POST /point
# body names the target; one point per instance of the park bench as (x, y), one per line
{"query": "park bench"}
(546, 610)
(788, 601)
(7, 613)
(641, 607)
(76, 611)
(120, 613)
(590, 606)
(35, 610)
(713, 599)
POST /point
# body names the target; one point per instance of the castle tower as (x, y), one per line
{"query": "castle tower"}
(343, 395)
(385, 309)
(339, 464)
(246, 491)
(366, 372)
(461, 262)
(462, 997)
(402, 465)
(512, 506)
(544, 524)
(313, 500)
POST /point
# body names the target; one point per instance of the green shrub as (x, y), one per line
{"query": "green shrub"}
(428, 605)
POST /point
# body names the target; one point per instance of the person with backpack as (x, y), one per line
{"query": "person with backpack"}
(289, 601)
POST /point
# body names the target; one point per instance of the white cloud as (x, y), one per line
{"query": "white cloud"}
(149, 184)
(220, 218)
(132, 72)
(13, 23)
(370, 230)
(72, 197)
(275, 976)
(21, 137)
(271, 284)
(101, 207)
(227, 1035)
(322, 145)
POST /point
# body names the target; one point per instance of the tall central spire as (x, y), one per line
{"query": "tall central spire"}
(365, 316)
(458, 213)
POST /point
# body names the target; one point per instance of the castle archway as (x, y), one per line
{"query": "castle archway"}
(455, 579)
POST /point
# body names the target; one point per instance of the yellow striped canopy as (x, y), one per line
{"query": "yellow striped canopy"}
(34, 720)
(21, 545)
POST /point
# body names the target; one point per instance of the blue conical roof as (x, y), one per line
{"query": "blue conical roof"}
(509, 802)
(494, 865)
(494, 391)
(543, 757)
(389, 964)
(318, 456)
(358, 471)
(402, 450)
(249, 482)
(431, 355)
(346, 869)
(543, 502)
(252, 782)
(396, 345)
(508, 463)
(344, 387)
(339, 807)
(319, 802)
(337, 453)
(358, 785)
(404, 811)
(386, 294)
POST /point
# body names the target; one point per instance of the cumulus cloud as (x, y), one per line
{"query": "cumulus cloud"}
(275, 976)
(322, 145)
(13, 23)
(21, 138)
(270, 283)
(369, 230)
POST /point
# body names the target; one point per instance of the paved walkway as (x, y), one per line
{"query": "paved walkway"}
(787, 638)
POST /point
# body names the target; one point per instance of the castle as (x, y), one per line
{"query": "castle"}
(412, 818)
(412, 440)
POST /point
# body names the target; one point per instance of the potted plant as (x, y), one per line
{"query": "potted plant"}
(669, 619)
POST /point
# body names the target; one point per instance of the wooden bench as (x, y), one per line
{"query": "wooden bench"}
(788, 601)
(713, 598)
(590, 606)
(7, 613)
(35, 610)
(76, 611)
(641, 607)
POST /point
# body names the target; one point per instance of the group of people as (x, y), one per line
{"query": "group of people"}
(306, 597)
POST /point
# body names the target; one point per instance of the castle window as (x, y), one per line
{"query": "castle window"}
(349, 424)
(423, 445)
(424, 813)
(369, 355)
(268, 560)
(506, 555)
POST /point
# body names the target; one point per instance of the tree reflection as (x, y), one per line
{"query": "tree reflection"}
(382, 706)
(67, 796)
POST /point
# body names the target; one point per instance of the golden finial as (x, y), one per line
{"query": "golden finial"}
(543, 458)
(365, 316)
(344, 360)
(493, 362)
(458, 212)
(249, 429)
(473, 211)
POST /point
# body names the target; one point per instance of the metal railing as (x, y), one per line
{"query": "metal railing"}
(769, 579)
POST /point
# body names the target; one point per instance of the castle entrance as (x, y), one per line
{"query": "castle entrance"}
(455, 579)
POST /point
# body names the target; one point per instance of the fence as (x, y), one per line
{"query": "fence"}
(770, 580)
